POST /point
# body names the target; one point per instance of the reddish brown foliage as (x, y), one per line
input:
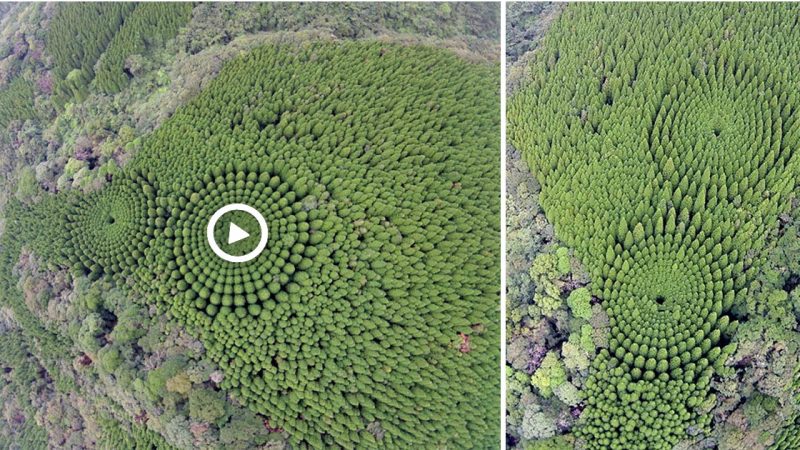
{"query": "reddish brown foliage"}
(464, 347)
(272, 429)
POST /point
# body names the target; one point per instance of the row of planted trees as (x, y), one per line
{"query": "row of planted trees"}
(92, 41)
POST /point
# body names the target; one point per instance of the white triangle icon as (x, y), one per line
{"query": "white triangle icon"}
(236, 234)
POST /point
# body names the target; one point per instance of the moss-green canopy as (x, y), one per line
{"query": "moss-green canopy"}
(376, 168)
(665, 138)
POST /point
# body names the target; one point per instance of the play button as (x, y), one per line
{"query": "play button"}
(237, 233)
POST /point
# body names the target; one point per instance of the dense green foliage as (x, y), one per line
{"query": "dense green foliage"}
(51, 346)
(664, 166)
(371, 319)
(19, 371)
(78, 34)
(788, 439)
(42, 228)
(91, 41)
(109, 230)
(96, 349)
(147, 26)
(16, 101)
(789, 436)
(347, 20)
(116, 436)
(29, 437)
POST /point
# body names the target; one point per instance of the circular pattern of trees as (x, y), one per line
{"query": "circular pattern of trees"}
(371, 318)
(110, 230)
(665, 139)
(288, 267)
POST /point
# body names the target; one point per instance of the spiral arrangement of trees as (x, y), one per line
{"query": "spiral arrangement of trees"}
(371, 319)
(665, 139)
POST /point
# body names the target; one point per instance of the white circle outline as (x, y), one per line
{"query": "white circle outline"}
(249, 210)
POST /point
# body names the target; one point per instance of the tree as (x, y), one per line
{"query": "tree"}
(206, 405)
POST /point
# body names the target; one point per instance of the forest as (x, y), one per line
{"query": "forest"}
(367, 136)
(653, 229)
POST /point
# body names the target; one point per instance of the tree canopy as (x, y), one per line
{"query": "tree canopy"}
(664, 138)
(371, 319)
